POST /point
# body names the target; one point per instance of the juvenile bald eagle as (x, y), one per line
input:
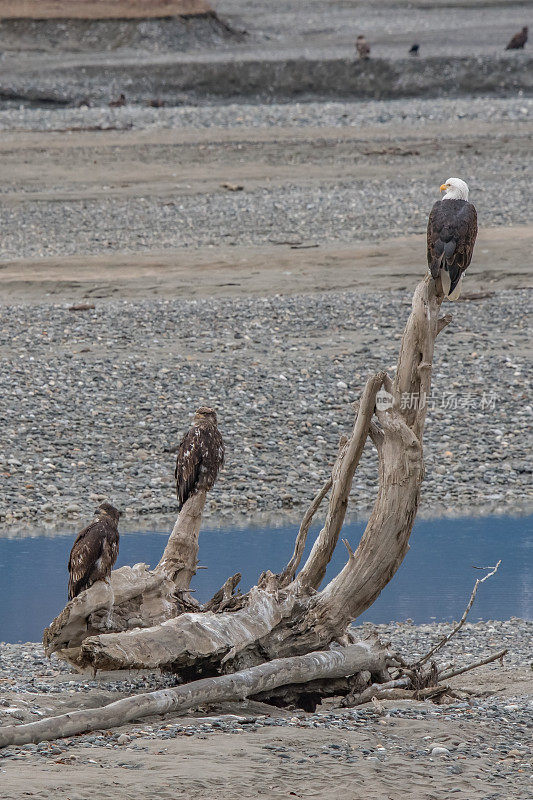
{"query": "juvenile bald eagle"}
(518, 41)
(200, 456)
(95, 551)
(362, 47)
(451, 235)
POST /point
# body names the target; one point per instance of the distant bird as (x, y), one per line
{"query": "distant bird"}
(362, 47)
(451, 235)
(120, 101)
(518, 41)
(200, 456)
(414, 50)
(95, 551)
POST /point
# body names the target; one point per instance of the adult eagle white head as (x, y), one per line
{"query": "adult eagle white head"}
(452, 231)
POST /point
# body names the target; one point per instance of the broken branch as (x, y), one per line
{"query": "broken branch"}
(447, 675)
(290, 570)
(314, 569)
(462, 621)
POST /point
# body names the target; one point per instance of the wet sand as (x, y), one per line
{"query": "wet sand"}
(139, 214)
(501, 262)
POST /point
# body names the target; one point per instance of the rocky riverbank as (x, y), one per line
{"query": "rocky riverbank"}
(98, 401)
(272, 302)
(269, 50)
(478, 747)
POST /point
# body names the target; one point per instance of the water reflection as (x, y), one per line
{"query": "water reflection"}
(434, 582)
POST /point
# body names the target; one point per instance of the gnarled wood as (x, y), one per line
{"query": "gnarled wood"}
(290, 570)
(180, 557)
(314, 569)
(274, 620)
(133, 597)
(204, 640)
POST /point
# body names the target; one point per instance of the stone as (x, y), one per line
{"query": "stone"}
(440, 751)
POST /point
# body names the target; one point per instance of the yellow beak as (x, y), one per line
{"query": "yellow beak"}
(443, 187)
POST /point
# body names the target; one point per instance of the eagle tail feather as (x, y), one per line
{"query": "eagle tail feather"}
(455, 293)
(455, 276)
(445, 281)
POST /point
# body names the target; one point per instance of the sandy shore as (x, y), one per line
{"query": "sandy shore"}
(501, 262)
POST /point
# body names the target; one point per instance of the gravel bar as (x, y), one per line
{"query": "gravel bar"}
(414, 111)
(98, 401)
(372, 189)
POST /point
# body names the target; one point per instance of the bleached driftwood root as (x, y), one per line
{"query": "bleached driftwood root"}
(287, 614)
(418, 683)
(328, 665)
(284, 616)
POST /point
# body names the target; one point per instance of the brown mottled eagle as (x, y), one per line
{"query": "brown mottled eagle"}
(200, 456)
(362, 47)
(518, 41)
(452, 231)
(95, 551)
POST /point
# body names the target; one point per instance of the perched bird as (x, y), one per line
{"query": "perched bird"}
(518, 41)
(414, 49)
(362, 47)
(451, 235)
(120, 101)
(200, 456)
(95, 551)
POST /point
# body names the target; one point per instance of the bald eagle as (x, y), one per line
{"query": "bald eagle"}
(200, 456)
(451, 235)
(95, 551)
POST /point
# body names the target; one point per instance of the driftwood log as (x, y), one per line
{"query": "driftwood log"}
(147, 618)
(237, 686)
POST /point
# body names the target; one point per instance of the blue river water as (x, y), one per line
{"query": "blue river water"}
(433, 583)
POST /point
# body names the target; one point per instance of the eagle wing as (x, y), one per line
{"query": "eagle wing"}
(200, 456)
(93, 554)
(212, 457)
(451, 235)
(188, 463)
